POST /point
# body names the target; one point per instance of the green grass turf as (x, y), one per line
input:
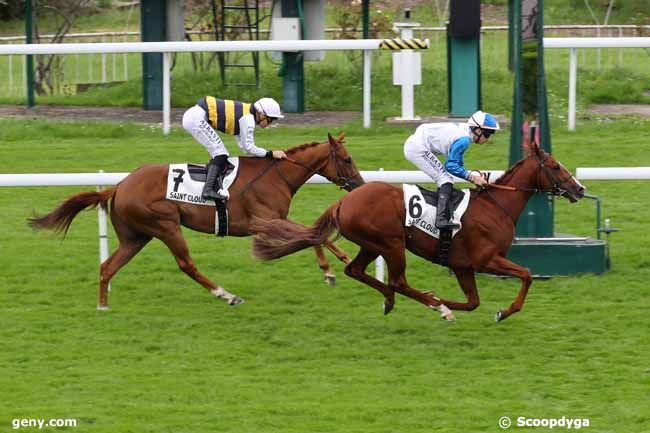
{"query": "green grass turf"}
(300, 356)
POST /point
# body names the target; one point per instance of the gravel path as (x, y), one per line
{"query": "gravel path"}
(132, 114)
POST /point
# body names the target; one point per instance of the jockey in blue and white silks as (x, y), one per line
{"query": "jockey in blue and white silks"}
(449, 140)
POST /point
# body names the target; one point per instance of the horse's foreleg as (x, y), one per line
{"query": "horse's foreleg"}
(356, 269)
(467, 283)
(338, 252)
(502, 266)
(174, 240)
(330, 278)
(126, 250)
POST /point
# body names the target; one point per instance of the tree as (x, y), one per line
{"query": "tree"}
(60, 13)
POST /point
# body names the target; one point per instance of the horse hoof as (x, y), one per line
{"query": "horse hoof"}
(103, 308)
(388, 308)
(448, 317)
(330, 280)
(499, 316)
(235, 301)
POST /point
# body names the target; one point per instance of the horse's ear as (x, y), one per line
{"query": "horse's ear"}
(332, 140)
(341, 137)
(529, 144)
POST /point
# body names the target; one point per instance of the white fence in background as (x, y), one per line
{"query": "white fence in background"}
(104, 179)
(166, 48)
(573, 44)
(366, 45)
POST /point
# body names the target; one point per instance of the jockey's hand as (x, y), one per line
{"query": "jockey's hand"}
(477, 179)
(279, 154)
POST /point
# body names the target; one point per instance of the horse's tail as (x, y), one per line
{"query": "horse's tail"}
(278, 238)
(60, 218)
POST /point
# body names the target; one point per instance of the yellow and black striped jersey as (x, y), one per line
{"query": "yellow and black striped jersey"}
(224, 114)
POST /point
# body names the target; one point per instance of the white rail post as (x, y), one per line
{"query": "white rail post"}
(166, 93)
(104, 62)
(367, 67)
(103, 233)
(573, 71)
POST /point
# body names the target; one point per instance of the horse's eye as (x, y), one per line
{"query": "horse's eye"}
(556, 167)
(348, 160)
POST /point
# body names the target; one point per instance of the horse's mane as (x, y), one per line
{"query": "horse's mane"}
(302, 146)
(505, 177)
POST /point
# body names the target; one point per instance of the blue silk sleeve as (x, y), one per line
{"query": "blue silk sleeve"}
(454, 163)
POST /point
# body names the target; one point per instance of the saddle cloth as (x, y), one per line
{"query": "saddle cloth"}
(185, 182)
(421, 214)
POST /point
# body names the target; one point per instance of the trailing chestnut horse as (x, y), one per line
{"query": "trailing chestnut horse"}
(264, 187)
(373, 217)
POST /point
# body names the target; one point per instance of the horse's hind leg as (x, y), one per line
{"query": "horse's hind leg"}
(396, 262)
(130, 244)
(330, 278)
(467, 283)
(126, 250)
(172, 236)
(356, 269)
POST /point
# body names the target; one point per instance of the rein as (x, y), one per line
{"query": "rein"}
(275, 162)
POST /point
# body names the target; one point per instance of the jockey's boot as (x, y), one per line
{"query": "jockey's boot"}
(443, 211)
(212, 189)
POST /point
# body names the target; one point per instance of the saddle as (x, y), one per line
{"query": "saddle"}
(199, 172)
(431, 197)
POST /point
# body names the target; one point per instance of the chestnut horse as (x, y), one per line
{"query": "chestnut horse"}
(264, 187)
(373, 217)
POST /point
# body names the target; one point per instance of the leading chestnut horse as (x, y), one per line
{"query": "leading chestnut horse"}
(373, 217)
(264, 187)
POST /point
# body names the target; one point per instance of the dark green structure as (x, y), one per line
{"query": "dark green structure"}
(463, 75)
(536, 244)
(153, 25)
(292, 72)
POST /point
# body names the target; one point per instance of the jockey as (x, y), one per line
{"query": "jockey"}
(451, 140)
(231, 117)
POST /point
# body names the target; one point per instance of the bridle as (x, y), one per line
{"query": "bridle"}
(340, 180)
(556, 189)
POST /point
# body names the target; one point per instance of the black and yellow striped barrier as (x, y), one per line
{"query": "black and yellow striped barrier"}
(404, 44)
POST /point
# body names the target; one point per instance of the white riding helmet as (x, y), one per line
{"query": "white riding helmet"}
(269, 107)
(483, 121)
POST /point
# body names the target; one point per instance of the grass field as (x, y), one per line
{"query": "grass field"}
(300, 356)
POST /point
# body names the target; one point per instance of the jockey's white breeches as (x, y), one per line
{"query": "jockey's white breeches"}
(195, 122)
(427, 161)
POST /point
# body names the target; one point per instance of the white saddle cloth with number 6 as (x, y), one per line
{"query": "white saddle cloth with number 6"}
(422, 215)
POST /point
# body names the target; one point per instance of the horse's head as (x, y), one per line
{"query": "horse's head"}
(340, 167)
(552, 176)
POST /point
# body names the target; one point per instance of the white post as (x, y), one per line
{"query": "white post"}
(573, 71)
(407, 71)
(103, 62)
(166, 93)
(367, 67)
(126, 63)
(11, 74)
(103, 233)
